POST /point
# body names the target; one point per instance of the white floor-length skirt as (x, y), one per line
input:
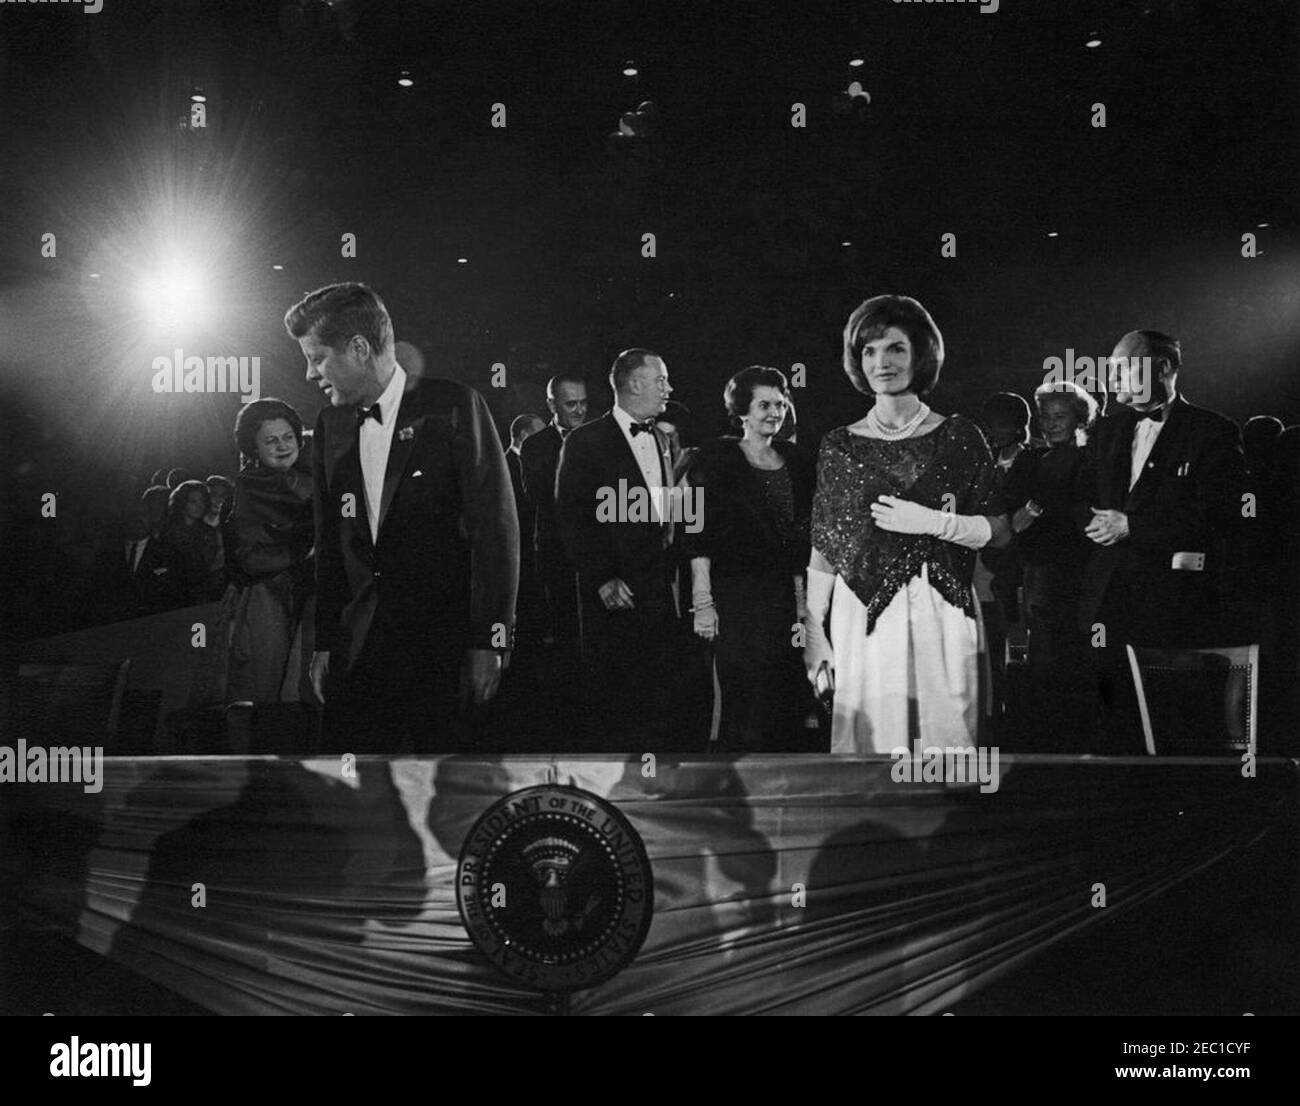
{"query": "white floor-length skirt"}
(918, 675)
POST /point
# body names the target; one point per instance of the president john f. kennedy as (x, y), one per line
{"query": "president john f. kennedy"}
(417, 542)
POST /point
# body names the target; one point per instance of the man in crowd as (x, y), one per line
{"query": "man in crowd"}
(566, 396)
(1160, 498)
(417, 543)
(623, 558)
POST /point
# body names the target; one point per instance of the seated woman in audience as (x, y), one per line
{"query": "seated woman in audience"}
(1048, 527)
(904, 498)
(220, 496)
(268, 547)
(190, 545)
(754, 496)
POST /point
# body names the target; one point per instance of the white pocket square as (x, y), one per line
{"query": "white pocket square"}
(417, 472)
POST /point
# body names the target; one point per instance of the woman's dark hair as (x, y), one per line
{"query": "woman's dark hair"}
(176, 501)
(1006, 409)
(249, 421)
(877, 315)
(680, 416)
(738, 395)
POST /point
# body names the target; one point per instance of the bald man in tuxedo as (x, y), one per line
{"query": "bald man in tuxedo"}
(1159, 496)
(626, 603)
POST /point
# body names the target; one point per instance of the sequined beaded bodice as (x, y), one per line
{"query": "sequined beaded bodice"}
(949, 468)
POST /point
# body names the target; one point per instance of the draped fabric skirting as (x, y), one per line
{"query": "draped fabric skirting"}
(783, 884)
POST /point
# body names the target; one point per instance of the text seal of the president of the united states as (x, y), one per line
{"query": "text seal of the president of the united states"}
(555, 888)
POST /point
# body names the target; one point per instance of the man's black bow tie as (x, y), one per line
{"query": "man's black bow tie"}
(646, 427)
(371, 412)
(1157, 413)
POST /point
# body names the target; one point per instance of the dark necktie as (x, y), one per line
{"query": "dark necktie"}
(646, 427)
(371, 412)
(1156, 413)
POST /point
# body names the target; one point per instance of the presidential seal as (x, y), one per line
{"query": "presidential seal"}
(555, 888)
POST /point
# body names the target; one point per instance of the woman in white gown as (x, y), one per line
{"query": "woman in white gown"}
(904, 498)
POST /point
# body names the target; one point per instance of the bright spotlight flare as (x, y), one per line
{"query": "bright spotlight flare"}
(174, 295)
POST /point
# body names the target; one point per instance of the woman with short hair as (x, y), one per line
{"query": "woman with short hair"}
(1048, 522)
(747, 560)
(269, 539)
(904, 498)
(191, 545)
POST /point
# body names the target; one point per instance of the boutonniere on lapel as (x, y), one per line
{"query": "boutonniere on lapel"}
(406, 434)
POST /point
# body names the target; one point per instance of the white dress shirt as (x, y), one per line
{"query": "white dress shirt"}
(645, 448)
(1145, 434)
(375, 440)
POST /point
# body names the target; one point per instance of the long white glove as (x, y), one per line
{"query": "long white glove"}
(817, 647)
(705, 622)
(900, 516)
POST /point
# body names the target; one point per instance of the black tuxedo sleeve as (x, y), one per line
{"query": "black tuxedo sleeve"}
(491, 524)
(331, 579)
(539, 488)
(1205, 508)
(589, 542)
(532, 469)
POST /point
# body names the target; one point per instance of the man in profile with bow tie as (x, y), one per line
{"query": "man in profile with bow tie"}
(1160, 496)
(626, 603)
(417, 540)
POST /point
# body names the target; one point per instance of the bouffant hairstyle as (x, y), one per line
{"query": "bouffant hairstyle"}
(873, 318)
(180, 494)
(1008, 409)
(250, 419)
(1081, 401)
(739, 392)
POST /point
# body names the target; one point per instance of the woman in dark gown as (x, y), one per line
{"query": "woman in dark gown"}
(268, 541)
(190, 545)
(1048, 524)
(747, 562)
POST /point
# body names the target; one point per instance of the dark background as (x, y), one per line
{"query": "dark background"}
(979, 125)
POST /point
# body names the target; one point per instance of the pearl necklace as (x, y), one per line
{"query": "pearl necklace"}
(894, 433)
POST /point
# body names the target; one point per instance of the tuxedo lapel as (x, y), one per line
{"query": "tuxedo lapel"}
(343, 461)
(665, 458)
(1165, 443)
(620, 453)
(399, 453)
(1121, 459)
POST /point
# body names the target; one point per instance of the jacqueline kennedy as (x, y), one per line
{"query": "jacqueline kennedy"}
(904, 498)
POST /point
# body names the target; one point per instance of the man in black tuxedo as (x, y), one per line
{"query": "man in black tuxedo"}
(529, 601)
(417, 543)
(539, 455)
(131, 571)
(156, 570)
(521, 429)
(1160, 496)
(623, 559)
